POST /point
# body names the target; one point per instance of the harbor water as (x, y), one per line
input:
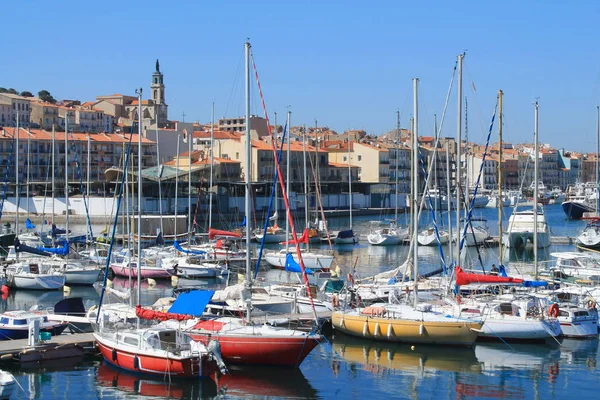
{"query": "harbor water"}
(346, 367)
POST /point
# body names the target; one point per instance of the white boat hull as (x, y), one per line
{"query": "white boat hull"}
(82, 277)
(271, 237)
(36, 281)
(520, 329)
(429, 238)
(313, 261)
(520, 239)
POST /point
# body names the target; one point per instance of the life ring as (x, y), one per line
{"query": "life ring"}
(553, 311)
(335, 302)
(591, 304)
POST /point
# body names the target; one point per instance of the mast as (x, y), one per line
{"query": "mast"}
(415, 209)
(397, 154)
(458, 153)
(139, 202)
(17, 186)
(28, 164)
(212, 162)
(306, 216)
(287, 183)
(177, 182)
(467, 163)
(248, 282)
(349, 181)
(190, 138)
(53, 146)
(87, 191)
(499, 198)
(535, 192)
(67, 176)
(449, 199)
(597, 155)
(160, 210)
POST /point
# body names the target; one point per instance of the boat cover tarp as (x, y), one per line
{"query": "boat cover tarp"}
(210, 325)
(347, 234)
(55, 231)
(232, 292)
(70, 306)
(186, 251)
(21, 248)
(29, 224)
(535, 283)
(192, 303)
(465, 278)
(145, 313)
(292, 266)
(212, 233)
(301, 240)
(59, 251)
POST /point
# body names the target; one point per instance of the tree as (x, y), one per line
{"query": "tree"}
(26, 94)
(45, 95)
(12, 91)
(3, 90)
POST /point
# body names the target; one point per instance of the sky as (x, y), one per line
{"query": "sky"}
(346, 64)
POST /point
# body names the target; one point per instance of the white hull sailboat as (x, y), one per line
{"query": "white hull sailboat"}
(314, 261)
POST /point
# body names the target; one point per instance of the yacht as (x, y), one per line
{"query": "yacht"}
(580, 198)
(521, 227)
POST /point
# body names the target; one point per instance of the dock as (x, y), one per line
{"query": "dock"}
(17, 348)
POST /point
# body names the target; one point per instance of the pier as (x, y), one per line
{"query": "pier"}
(58, 347)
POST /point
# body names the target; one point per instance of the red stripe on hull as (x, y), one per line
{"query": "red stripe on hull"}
(261, 350)
(186, 368)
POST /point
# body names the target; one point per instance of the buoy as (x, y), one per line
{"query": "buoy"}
(342, 322)
(376, 332)
(5, 289)
(66, 289)
(366, 328)
(421, 330)
(174, 280)
(151, 282)
(6, 357)
(109, 283)
(412, 347)
(390, 331)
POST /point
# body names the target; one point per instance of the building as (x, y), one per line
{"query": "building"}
(372, 158)
(17, 105)
(44, 115)
(257, 124)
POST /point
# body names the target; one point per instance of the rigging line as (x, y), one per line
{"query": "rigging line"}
(6, 174)
(235, 82)
(285, 196)
(477, 106)
(318, 196)
(470, 213)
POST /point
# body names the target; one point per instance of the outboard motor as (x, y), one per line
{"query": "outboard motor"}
(214, 347)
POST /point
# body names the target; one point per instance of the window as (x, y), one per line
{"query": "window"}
(237, 155)
(20, 322)
(3, 320)
(359, 157)
(345, 158)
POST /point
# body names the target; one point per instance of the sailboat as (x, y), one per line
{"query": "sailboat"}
(244, 342)
(402, 322)
(392, 234)
(347, 236)
(590, 237)
(157, 350)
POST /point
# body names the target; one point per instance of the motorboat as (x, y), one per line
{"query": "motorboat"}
(580, 198)
(15, 324)
(580, 266)
(590, 237)
(521, 228)
(577, 322)
(34, 274)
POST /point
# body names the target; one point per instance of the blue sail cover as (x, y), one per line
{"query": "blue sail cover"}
(181, 249)
(192, 303)
(60, 251)
(292, 266)
(21, 248)
(347, 234)
(535, 283)
(29, 224)
(56, 231)
(502, 271)
(243, 224)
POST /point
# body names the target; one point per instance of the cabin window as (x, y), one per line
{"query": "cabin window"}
(20, 322)
(3, 320)
(505, 308)
(581, 314)
(563, 314)
(130, 340)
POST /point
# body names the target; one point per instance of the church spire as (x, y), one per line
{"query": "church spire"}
(157, 66)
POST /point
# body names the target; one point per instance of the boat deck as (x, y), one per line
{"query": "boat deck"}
(17, 346)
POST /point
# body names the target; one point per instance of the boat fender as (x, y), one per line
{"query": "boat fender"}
(5, 289)
(553, 311)
(114, 355)
(458, 299)
(591, 304)
(376, 333)
(136, 362)
(342, 322)
(421, 329)
(366, 328)
(390, 331)
(151, 282)
(351, 279)
(6, 357)
(335, 301)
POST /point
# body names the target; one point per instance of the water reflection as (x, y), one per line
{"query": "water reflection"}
(499, 356)
(380, 357)
(115, 383)
(261, 382)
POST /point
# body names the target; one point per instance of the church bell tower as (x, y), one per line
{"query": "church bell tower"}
(157, 86)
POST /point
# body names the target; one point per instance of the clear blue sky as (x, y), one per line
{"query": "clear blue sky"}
(347, 64)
